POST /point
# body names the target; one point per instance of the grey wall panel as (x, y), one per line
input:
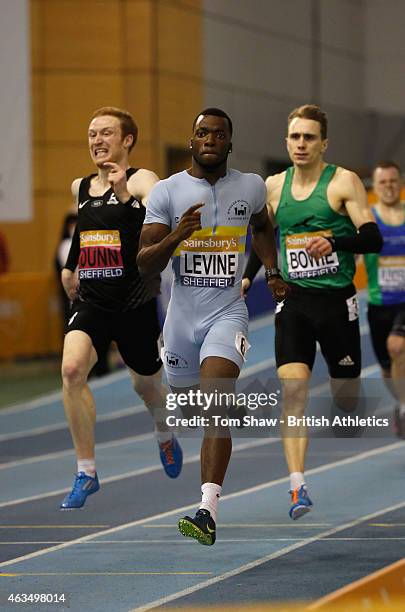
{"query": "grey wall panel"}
(220, 97)
(262, 126)
(289, 18)
(343, 26)
(264, 57)
(384, 26)
(254, 61)
(385, 48)
(386, 85)
(347, 130)
(387, 138)
(341, 81)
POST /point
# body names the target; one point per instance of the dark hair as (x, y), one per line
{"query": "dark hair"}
(128, 125)
(311, 111)
(216, 112)
(387, 163)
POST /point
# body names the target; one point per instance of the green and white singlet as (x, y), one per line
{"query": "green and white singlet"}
(299, 220)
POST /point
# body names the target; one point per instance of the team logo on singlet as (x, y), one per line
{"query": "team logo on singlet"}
(208, 260)
(112, 199)
(239, 210)
(301, 264)
(100, 255)
(173, 360)
(96, 203)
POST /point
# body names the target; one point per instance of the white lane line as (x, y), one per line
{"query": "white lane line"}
(139, 472)
(317, 390)
(31, 527)
(218, 543)
(9, 575)
(238, 526)
(71, 451)
(109, 416)
(248, 566)
(35, 431)
(248, 491)
(44, 400)
(255, 325)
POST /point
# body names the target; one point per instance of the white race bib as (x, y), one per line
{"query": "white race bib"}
(391, 273)
(301, 264)
(210, 261)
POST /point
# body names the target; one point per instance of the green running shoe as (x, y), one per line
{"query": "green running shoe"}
(201, 527)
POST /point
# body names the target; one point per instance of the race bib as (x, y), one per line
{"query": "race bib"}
(100, 255)
(353, 308)
(210, 261)
(242, 345)
(391, 273)
(302, 265)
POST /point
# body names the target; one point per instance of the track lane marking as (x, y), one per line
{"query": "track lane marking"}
(250, 525)
(107, 574)
(37, 431)
(246, 371)
(315, 391)
(253, 564)
(54, 526)
(357, 585)
(248, 491)
(219, 542)
(71, 451)
(146, 470)
(48, 398)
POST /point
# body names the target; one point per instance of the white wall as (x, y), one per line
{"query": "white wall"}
(15, 120)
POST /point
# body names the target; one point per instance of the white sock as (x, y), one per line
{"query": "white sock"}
(211, 493)
(296, 480)
(163, 436)
(88, 466)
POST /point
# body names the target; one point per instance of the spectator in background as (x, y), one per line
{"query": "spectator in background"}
(68, 228)
(4, 256)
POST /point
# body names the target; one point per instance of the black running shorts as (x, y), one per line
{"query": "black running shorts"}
(384, 320)
(330, 317)
(136, 333)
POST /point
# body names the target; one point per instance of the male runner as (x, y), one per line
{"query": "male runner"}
(111, 301)
(199, 217)
(323, 216)
(386, 285)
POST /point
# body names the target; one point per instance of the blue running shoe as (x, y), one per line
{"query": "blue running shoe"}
(82, 487)
(171, 457)
(300, 502)
(202, 527)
